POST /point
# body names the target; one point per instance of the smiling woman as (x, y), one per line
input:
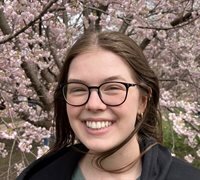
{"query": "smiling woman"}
(108, 123)
(108, 102)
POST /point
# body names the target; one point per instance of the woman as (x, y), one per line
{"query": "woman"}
(108, 124)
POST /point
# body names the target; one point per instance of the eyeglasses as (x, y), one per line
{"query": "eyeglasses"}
(110, 93)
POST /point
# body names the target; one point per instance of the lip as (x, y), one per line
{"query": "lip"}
(97, 119)
(98, 132)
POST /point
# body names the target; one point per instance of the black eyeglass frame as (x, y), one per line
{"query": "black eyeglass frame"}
(127, 86)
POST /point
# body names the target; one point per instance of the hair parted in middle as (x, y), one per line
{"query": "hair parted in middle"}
(149, 126)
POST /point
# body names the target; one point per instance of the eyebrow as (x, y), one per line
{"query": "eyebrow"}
(112, 78)
(76, 80)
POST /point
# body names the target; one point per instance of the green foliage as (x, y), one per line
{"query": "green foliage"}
(7, 164)
(176, 143)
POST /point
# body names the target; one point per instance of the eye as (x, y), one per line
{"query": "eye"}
(76, 89)
(113, 88)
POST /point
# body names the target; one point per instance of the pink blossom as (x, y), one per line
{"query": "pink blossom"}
(189, 158)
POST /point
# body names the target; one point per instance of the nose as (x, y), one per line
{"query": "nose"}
(94, 102)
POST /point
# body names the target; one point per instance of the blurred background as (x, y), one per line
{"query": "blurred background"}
(34, 38)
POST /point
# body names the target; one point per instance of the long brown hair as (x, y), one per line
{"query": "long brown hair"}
(149, 126)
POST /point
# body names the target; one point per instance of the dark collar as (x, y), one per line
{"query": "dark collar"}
(61, 164)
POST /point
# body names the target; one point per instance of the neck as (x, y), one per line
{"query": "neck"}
(128, 154)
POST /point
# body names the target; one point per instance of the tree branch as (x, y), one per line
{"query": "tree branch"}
(52, 49)
(175, 23)
(3, 23)
(179, 23)
(181, 19)
(146, 41)
(31, 71)
(48, 76)
(99, 12)
(126, 22)
(12, 36)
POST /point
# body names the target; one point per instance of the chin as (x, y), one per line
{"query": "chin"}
(97, 148)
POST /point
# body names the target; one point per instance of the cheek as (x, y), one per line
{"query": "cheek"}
(72, 112)
(130, 109)
(73, 116)
(132, 104)
(127, 111)
(68, 109)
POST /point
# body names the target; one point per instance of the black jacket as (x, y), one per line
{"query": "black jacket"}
(157, 164)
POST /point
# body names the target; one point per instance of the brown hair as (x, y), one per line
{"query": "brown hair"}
(147, 127)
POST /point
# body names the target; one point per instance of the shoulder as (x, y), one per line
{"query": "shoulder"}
(180, 169)
(177, 168)
(57, 165)
(158, 164)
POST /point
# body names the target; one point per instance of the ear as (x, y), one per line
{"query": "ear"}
(142, 104)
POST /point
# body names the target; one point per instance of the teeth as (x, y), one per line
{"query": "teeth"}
(98, 124)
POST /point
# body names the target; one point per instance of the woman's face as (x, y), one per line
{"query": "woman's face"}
(98, 126)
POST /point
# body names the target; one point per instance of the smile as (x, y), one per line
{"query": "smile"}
(98, 124)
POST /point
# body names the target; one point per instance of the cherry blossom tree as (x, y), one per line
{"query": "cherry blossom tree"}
(35, 36)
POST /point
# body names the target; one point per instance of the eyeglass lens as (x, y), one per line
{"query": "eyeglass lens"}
(110, 93)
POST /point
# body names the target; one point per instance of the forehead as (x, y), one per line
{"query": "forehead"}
(98, 65)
